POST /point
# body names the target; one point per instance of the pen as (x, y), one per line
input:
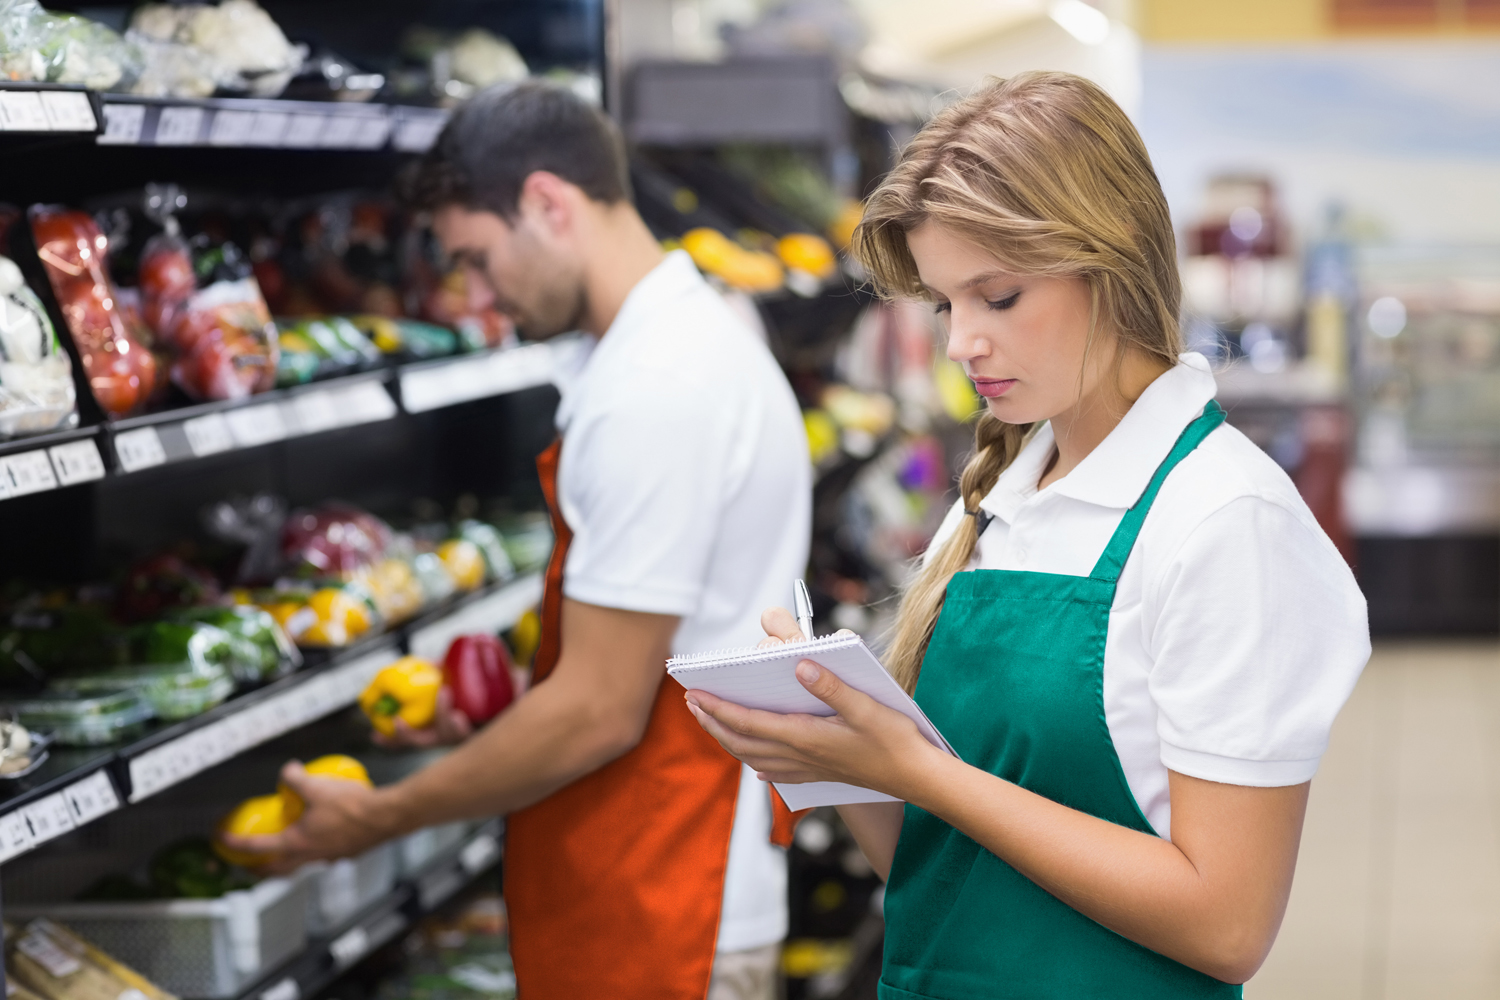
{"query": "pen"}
(804, 608)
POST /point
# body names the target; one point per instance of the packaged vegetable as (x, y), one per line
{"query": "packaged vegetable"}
(464, 562)
(258, 816)
(432, 573)
(243, 47)
(161, 583)
(259, 649)
(476, 669)
(81, 51)
(397, 592)
(338, 766)
(528, 539)
(318, 348)
(405, 690)
(324, 617)
(36, 377)
(59, 965)
(192, 869)
(334, 540)
(121, 372)
(486, 537)
(407, 339)
(84, 719)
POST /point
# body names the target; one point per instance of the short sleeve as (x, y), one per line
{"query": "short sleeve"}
(1259, 635)
(640, 487)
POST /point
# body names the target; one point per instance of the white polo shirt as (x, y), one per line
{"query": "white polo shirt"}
(1237, 630)
(686, 481)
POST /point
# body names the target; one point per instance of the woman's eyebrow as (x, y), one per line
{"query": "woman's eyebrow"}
(980, 279)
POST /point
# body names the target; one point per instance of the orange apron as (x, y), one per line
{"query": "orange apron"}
(614, 883)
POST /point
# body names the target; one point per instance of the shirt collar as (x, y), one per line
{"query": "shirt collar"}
(674, 276)
(1117, 472)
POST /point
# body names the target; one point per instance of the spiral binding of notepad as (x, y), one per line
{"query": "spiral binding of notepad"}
(754, 654)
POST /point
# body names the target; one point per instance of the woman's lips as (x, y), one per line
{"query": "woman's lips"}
(992, 387)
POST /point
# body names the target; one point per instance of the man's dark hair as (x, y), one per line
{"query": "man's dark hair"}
(502, 135)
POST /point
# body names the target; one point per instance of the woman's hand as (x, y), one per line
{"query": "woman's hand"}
(863, 743)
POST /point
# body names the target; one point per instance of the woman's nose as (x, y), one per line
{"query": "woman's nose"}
(965, 343)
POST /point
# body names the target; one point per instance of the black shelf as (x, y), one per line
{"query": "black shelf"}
(76, 786)
(331, 955)
(136, 444)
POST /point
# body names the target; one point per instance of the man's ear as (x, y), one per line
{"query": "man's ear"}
(548, 201)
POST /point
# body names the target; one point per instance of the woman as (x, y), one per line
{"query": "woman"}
(1129, 627)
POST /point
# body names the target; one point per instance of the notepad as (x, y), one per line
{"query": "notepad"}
(766, 679)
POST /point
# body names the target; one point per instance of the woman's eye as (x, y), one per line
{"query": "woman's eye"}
(942, 307)
(1004, 303)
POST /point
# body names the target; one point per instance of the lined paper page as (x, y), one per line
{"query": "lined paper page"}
(766, 679)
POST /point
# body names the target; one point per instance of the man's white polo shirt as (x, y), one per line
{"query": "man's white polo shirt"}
(686, 481)
(1237, 630)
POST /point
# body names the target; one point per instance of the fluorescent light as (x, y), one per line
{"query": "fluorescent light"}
(1088, 24)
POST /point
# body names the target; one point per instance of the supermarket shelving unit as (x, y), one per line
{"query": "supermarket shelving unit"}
(74, 501)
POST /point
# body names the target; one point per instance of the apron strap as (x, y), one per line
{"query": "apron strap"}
(1118, 550)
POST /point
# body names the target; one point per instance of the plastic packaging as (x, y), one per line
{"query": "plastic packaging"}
(242, 47)
(36, 377)
(318, 348)
(84, 719)
(334, 540)
(122, 373)
(258, 648)
(528, 539)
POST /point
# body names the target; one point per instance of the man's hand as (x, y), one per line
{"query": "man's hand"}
(449, 728)
(340, 818)
(594, 707)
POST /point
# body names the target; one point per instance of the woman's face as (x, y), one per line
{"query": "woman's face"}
(1020, 338)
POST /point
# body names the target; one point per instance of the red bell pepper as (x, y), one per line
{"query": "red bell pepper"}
(477, 672)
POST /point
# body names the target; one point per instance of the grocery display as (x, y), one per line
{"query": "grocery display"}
(266, 470)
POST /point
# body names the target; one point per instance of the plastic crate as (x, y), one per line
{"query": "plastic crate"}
(206, 949)
(419, 849)
(340, 889)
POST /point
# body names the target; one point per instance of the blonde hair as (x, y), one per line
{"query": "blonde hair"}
(1047, 174)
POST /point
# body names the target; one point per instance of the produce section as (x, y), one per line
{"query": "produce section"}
(258, 444)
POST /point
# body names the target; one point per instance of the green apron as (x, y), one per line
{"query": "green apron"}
(1014, 678)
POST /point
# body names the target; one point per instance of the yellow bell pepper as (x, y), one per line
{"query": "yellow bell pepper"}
(807, 252)
(464, 562)
(334, 765)
(261, 815)
(405, 690)
(524, 638)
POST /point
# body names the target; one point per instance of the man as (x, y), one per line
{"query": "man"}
(680, 490)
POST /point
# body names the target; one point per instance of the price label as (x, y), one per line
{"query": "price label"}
(339, 132)
(283, 989)
(304, 132)
(179, 126)
(78, 462)
(479, 853)
(494, 613)
(208, 435)
(269, 128)
(48, 818)
(69, 111)
(15, 835)
(255, 425)
(23, 111)
(373, 132)
(231, 128)
(139, 449)
(123, 124)
(416, 135)
(365, 403)
(315, 412)
(28, 472)
(350, 946)
(91, 798)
